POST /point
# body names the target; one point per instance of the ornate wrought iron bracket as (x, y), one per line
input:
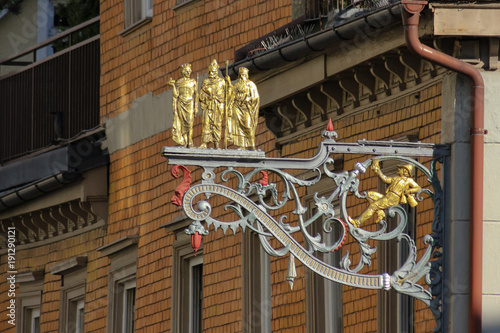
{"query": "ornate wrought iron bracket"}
(255, 201)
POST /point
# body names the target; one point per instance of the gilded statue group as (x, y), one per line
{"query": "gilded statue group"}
(236, 106)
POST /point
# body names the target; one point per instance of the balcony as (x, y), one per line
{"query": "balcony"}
(47, 101)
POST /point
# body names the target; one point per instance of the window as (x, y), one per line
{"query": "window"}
(137, 12)
(195, 293)
(128, 306)
(122, 309)
(121, 306)
(121, 284)
(73, 309)
(73, 278)
(324, 303)
(256, 295)
(76, 314)
(323, 297)
(30, 312)
(394, 311)
(29, 301)
(188, 285)
(33, 317)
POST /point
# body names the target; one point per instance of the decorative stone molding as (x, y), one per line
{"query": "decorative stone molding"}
(52, 223)
(119, 245)
(385, 75)
(69, 266)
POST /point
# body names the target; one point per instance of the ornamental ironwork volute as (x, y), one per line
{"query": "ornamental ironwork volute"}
(255, 201)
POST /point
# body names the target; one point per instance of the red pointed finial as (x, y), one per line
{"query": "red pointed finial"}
(196, 241)
(329, 127)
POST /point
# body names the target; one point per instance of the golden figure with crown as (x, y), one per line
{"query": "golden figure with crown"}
(212, 100)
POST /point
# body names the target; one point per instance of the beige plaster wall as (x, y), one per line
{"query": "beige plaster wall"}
(491, 231)
(455, 125)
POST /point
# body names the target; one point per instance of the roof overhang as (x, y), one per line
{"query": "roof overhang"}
(45, 172)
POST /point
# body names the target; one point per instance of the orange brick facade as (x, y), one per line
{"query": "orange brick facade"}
(144, 60)
(140, 184)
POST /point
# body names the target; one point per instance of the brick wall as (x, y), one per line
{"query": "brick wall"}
(46, 256)
(144, 60)
(140, 185)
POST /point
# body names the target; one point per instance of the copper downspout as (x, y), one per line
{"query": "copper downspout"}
(477, 132)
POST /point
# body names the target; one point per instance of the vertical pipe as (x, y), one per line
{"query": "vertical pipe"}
(477, 132)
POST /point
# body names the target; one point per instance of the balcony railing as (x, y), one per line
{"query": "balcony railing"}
(49, 100)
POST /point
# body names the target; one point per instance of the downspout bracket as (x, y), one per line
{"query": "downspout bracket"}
(414, 6)
(478, 131)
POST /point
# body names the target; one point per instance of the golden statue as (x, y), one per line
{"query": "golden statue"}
(242, 111)
(212, 95)
(185, 105)
(401, 190)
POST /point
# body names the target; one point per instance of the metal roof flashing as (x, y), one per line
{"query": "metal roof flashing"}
(37, 175)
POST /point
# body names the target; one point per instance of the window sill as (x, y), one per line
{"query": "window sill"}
(135, 26)
(184, 4)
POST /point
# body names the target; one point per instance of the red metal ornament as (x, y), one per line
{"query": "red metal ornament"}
(344, 226)
(183, 186)
(196, 241)
(264, 181)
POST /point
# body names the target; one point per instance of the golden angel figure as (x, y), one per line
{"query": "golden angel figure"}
(212, 95)
(243, 111)
(401, 190)
(185, 106)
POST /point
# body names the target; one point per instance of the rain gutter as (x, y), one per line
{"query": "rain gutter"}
(37, 189)
(48, 170)
(364, 25)
(411, 14)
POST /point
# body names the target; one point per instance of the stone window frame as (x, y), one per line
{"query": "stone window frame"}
(182, 3)
(318, 305)
(29, 299)
(183, 259)
(183, 262)
(122, 277)
(137, 13)
(73, 278)
(256, 284)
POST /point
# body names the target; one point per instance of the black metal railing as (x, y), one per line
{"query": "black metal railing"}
(53, 99)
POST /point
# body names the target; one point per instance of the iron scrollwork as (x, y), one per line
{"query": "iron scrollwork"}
(257, 203)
